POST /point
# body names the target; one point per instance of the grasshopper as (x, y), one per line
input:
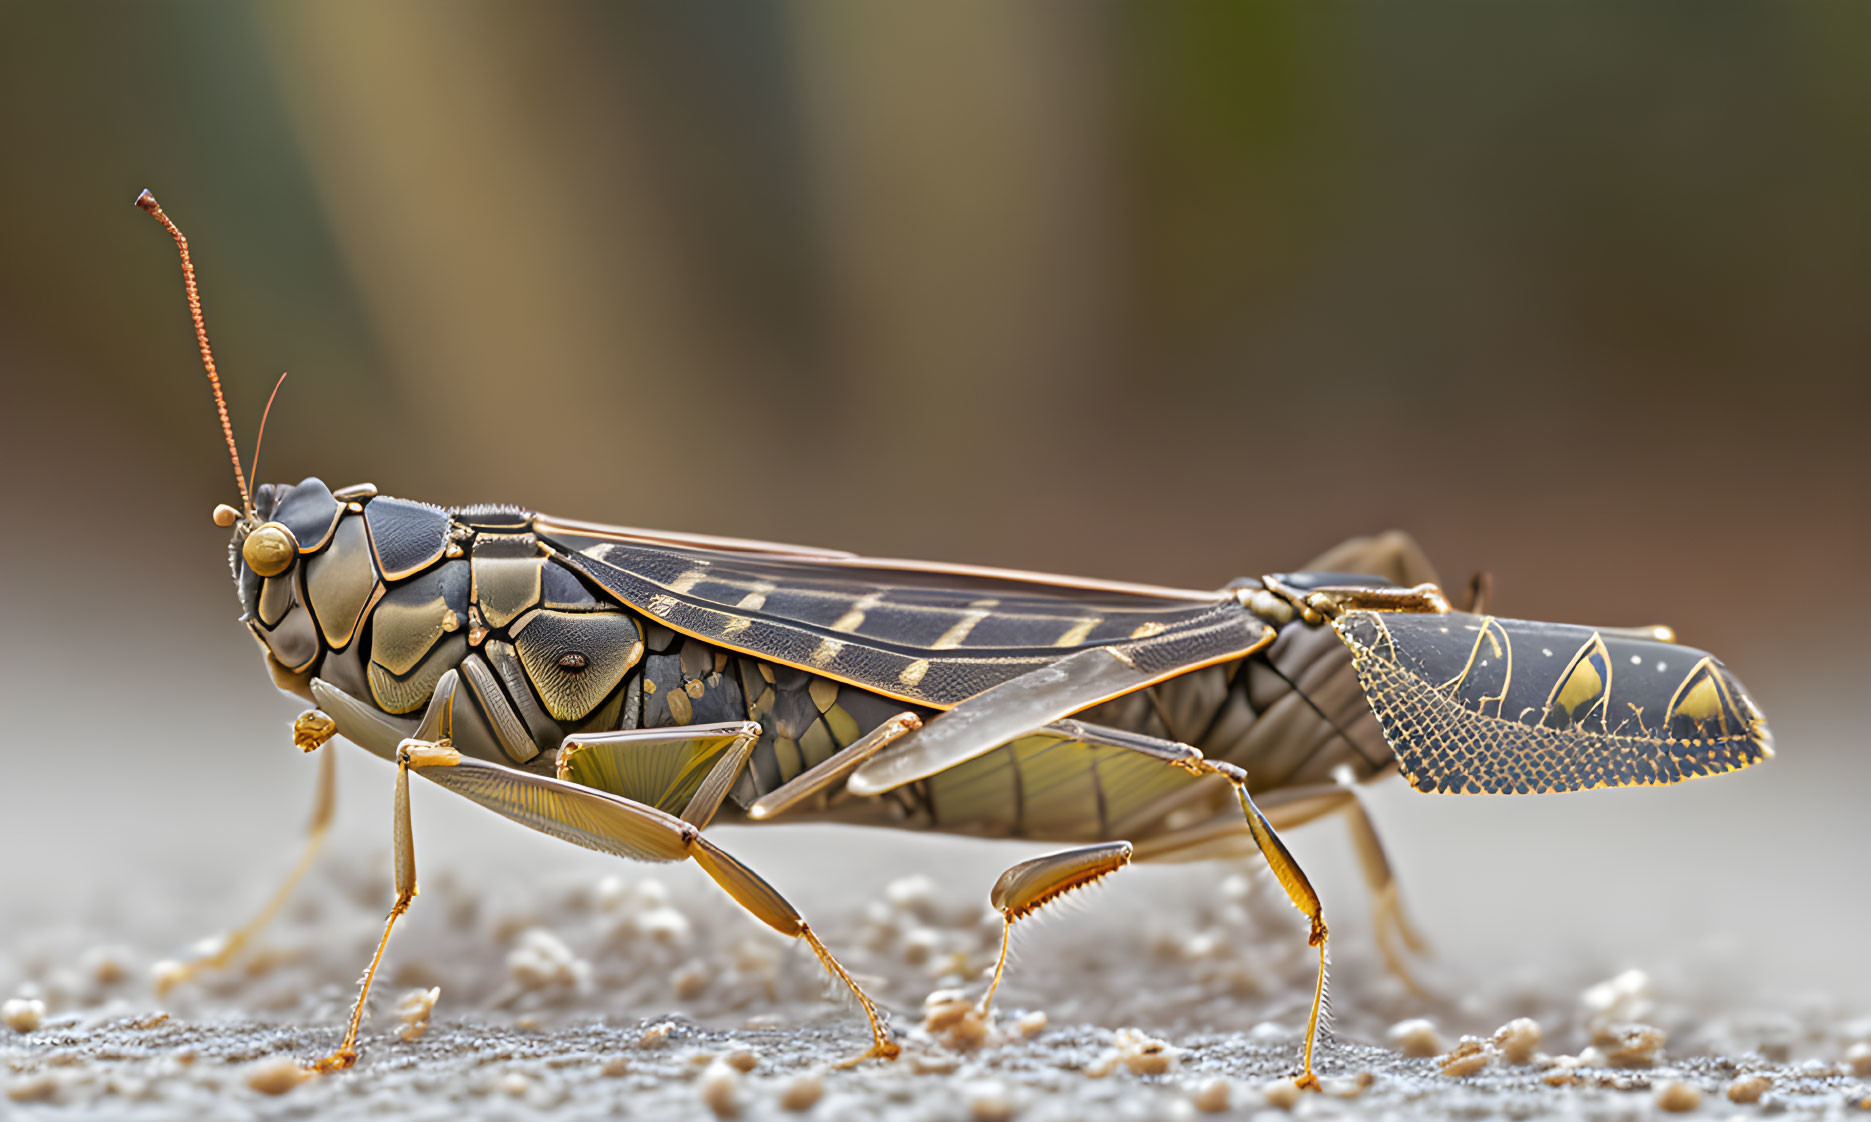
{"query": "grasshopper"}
(624, 689)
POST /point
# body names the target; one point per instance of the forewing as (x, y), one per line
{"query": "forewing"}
(1481, 705)
(927, 634)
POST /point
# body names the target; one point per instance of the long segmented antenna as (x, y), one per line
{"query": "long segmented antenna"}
(148, 202)
(264, 414)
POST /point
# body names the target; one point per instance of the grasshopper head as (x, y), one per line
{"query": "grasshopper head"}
(261, 547)
(267, 555)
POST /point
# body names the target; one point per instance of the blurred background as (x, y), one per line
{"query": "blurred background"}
(1576, 294)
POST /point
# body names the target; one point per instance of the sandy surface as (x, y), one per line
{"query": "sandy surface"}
(647, 994)
(1739, 900)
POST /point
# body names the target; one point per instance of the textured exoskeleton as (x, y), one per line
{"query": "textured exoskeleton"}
(623, 689)
(702, 678)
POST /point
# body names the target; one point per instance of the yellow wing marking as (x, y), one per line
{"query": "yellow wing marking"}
(757, 598)
(1503, 648)
(978, 610)
(1585, 684)
(854, 618)
(689, 580)
(1702, 697)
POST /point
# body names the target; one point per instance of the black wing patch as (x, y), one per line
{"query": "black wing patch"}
(923, 635)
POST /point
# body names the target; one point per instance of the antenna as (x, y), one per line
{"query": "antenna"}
(148, 202)
(264, 414)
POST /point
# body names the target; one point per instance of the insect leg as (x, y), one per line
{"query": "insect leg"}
(411, 753)
(1298, 890)
(1027, 703)
(1031, 885)
(612, 824)
(309, 731)
(1388, 918)
(830, 771)
(687, 770)
(1227, 836)
(764, 901)
(1285, 869)
(1393, 555)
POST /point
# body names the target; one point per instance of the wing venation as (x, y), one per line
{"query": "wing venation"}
(929, 634)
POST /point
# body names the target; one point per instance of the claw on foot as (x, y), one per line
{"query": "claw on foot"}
(336, 1062)
(880, 1050)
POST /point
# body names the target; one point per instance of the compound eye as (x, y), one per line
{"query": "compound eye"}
(269, 550)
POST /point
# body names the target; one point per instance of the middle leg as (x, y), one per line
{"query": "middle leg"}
(1030, 885)
(1226, 835)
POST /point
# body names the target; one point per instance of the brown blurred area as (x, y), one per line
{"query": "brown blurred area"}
(1576, 294)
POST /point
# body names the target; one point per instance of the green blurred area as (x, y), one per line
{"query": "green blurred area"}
(1576, 293)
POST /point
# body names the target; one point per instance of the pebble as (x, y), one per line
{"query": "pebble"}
(742, 1060)
(33, 1088)
(616, 1067)
(664, 925)
(541, 960)
(1858, 1058)
(951, 1017)
(1749, 1088)
(1143, 1054)
(934, 1063)
(1629, 1045)
(802, 1092)
(720, 1089)
(105, 965)
(277, 1075)
(1623, 998)
(1416, 1038)
(920, 945)
(1678, 1097)
(690, 980)
(990, 1102)
(915, 894)
(1030, 1024)
(1469, 1056)
(23, 1014)
(167, 974)
(1211, 1097)
(1281, 1094)
(610, 893)
(1518, 1039)
(413, 1010)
